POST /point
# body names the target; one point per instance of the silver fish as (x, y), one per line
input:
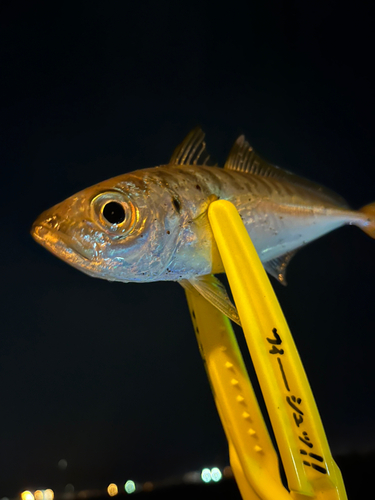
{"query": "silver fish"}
(152, 224)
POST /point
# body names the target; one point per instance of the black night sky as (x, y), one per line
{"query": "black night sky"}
(108, 376)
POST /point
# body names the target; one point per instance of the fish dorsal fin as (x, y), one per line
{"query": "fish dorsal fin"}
(213, 291)
(192, 150)
(277, 267)
(243, 158)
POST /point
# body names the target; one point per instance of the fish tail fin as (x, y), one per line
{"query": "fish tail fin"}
(368, 222)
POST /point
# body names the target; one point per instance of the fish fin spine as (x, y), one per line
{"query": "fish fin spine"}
(243, 158)
(368, 223)
(214, 291)
(191, 150)
(277, 267)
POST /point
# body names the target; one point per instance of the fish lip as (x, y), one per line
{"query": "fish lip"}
(59, 243)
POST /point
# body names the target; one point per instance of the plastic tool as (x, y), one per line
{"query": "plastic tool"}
(310, 469)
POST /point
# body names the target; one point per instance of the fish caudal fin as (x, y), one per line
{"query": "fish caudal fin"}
(368, 222)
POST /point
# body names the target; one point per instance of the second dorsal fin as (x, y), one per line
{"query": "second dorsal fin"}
(192, 150)
(243, 158)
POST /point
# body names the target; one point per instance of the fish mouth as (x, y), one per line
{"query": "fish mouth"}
(62, 246)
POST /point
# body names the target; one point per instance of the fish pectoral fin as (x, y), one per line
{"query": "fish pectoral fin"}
(192, 150)
(277, 267)
(213, 291)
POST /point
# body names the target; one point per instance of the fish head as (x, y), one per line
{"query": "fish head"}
(116, 230)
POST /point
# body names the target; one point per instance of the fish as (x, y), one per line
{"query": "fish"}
(152, 224)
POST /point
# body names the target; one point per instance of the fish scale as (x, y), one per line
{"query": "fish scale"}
(157, 227)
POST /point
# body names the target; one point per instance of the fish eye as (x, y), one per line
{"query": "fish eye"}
(114, 212)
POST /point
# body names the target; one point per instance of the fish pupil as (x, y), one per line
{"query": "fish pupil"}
(114, 212)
